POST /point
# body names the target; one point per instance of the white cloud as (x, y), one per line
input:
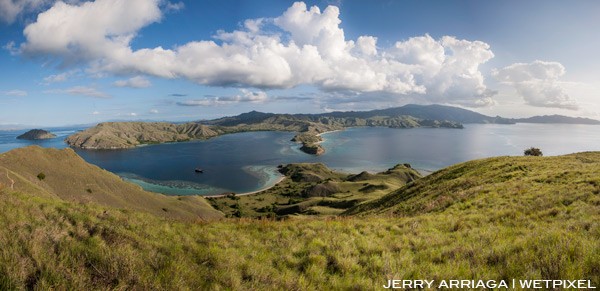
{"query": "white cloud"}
(59, 77)
(132, 114)
(245, 96)
(11, 48)
(19, 93)
(153, 111)
(95, 113)
(170, 6)
(307, 47)
(10, 9)
(81, 90)
(538, 83)
(135, 82)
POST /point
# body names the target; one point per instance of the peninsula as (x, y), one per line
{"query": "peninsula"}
(124, 135)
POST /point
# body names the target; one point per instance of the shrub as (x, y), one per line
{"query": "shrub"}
(41, 176)
(533, 152)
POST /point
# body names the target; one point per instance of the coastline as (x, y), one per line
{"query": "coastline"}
(331, 131)
(279, 180)
(322, 139)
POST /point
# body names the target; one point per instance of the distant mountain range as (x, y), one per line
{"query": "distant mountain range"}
(423, 112)
(556, 119)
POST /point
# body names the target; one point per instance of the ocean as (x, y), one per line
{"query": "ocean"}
(245, 162)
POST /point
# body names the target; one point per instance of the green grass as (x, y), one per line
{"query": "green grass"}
(492, 219)
(313, 189)
(52, 244)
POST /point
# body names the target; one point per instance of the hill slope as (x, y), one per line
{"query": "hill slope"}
(314, 189)
(494, 219)
(521, 185)
(434, 111)
(63, 174)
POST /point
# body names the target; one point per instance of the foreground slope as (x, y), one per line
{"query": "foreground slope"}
(493, 219)
(521, 185)
(63, 174)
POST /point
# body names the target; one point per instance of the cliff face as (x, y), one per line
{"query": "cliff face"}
(36, 134)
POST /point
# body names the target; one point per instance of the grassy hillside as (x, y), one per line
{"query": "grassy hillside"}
(63, 174)
(493, 219)
(314, 189)
(519, 186)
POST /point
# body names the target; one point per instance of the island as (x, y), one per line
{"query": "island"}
(36, 134)
(124, 135)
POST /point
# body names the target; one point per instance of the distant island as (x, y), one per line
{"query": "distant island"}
(124, 135)
(36, 134)
(556, 119)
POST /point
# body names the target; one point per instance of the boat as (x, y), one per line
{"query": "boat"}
(198, 170)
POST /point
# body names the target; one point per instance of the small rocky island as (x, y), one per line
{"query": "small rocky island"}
(36, 134)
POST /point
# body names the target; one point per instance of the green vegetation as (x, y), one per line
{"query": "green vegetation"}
(533, 152)
(314, 190)
(491, 219)
(63, 174)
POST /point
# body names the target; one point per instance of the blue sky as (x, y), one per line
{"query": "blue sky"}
(80, 62)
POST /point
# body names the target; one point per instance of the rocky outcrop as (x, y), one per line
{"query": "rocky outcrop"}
(36, 134)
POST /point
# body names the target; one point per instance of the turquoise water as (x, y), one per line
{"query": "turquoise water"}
(246, 162)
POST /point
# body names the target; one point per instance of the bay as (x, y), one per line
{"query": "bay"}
(245, 162)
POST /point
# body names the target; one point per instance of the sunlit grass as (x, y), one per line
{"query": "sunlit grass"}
(496, 219)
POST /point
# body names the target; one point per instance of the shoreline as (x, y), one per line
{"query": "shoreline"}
(331, 131)
(279, 180)
(323, 139)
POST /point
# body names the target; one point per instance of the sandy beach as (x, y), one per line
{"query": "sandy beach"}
(247, 193)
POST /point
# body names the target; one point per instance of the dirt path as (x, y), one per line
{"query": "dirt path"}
(247, 193)
(12, 182)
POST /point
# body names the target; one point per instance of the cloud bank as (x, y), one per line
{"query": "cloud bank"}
(538, 83)
(302, 46)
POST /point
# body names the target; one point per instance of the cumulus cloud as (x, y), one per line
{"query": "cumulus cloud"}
(10, 9)
(153, 111)
(135, 82)
(302, 46)
(245, 96)
(19, 93)
(81, 91)
(538, 83)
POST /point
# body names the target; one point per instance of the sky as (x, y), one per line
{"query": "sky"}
(82, 62)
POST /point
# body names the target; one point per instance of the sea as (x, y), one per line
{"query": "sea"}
(247, 162)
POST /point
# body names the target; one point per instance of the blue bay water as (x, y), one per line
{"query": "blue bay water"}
(245, 162)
